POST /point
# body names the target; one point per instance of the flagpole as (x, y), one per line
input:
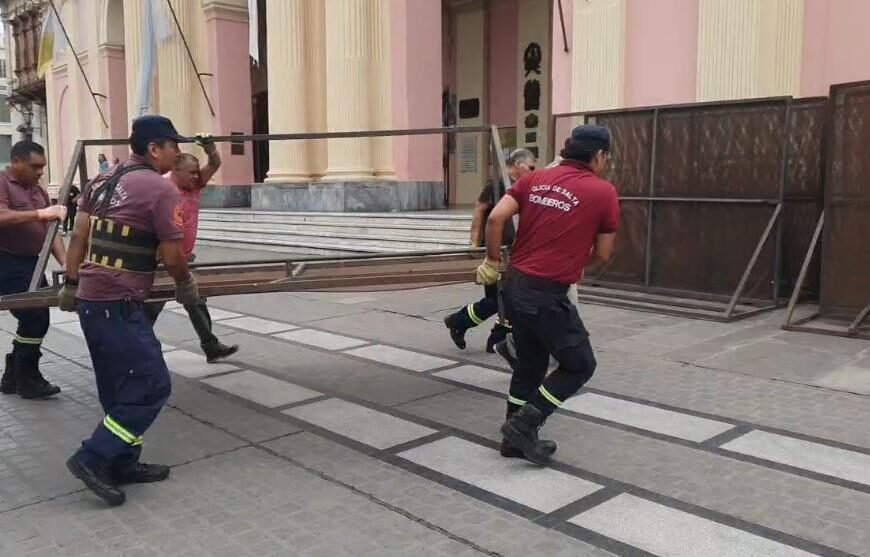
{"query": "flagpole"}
(79, 63)
(190, 57)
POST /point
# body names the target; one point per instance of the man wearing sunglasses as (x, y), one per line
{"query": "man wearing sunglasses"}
(519, 163)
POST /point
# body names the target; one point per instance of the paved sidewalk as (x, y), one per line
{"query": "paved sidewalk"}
(349, 424)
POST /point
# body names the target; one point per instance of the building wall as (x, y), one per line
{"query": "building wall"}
(621, 53)
(835, 44)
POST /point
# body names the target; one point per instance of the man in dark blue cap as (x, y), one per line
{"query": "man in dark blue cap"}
(126, 217)
(568, 218)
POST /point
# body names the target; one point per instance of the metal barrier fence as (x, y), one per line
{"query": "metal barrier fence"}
(719, 202)
(844, 227)
(78, 164)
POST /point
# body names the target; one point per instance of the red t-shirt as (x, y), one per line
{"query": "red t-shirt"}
(562, 210)
(190, 217)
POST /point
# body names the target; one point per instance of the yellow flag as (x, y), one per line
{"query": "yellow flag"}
(46, 43)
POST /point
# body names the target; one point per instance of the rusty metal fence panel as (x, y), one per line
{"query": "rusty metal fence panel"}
(701, 183)
(845, 280)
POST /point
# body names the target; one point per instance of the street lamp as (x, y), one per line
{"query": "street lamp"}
(25, 108)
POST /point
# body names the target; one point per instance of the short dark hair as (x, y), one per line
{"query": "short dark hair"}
(186, 158)
(140, 147)
(23, 149)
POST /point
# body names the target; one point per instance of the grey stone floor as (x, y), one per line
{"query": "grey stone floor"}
(348, 424)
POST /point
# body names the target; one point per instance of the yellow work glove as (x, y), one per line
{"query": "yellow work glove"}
(487, 273)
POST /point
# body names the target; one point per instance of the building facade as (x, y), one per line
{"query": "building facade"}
(7, 128)
(350, 65)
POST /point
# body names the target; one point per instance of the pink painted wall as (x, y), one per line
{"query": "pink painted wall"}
(112, 64)
(661, 56)
(416, 84)
(562, 69)
(502, 70)
(230, 90)
(65, 115)
(836, 44)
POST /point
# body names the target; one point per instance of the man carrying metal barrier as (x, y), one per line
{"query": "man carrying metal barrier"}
(190, 180)
(519, 163)
(24, 217)
(126, 218)
(568, 217)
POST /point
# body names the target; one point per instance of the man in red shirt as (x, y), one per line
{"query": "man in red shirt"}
(568, 218)
(190, 180)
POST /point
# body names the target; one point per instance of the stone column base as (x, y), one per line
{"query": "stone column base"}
(348, 197)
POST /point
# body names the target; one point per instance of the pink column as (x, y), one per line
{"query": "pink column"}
(111, 65)
(562, 68)
(502, 69)
(230, 88)
(416, 87)
(661, 54)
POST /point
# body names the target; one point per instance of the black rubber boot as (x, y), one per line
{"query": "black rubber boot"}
(143, 474)
(96, 479)
(457, 334)
(31, 383)
(521, 431)
(9, 382)
(508, 450)
(503, 350)
(218, 351)
(497, 335)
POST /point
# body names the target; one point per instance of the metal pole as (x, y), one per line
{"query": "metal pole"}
(63, 194)
(314, 135)
(79, 64)
(795, 295)
(651, 205)
(786, 159)
(736, 296)
(562, 21)
(853, 328)
(190, 57)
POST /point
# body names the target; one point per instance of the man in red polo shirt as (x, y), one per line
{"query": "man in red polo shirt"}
(568, 218)
(190, 180)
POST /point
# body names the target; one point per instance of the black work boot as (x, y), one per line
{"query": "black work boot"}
(31, 383)
(496, 336)
(96, 479)
(503, 350)
(521, 431)
(143, 474)
(218, 351)
(9, 382)
(508, 450)
(457, 334)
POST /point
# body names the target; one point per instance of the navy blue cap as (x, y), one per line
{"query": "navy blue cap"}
(152, 127)
(592, 138)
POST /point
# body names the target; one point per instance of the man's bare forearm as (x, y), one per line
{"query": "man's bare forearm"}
(78, 246)
(58, 250)
(12, 218)
(211, 167)
(494, 234)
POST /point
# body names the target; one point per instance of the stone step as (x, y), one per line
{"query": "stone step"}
(279, 246)
(351, 242)
(452, 233)
(409, 220)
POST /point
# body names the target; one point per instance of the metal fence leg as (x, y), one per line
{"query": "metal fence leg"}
(795, 295)
(736, 296)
